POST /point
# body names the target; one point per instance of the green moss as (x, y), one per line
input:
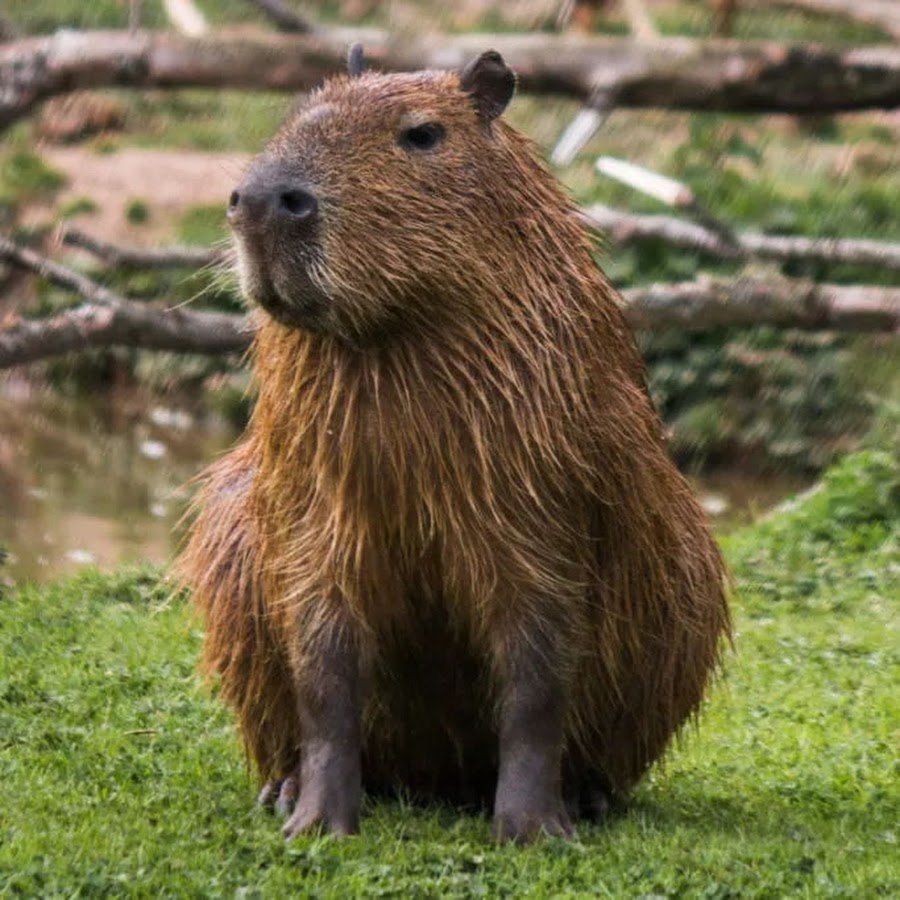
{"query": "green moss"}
(137, 212)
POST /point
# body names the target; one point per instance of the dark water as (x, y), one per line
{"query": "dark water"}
(94, 482)
(103, 482)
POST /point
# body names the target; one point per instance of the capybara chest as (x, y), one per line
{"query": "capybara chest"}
(451, 556)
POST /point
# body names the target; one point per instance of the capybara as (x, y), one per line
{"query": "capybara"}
(451, 556)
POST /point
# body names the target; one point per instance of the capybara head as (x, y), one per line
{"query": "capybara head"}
(381, 199)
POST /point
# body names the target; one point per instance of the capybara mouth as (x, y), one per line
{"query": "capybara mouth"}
(305, 306)
(287, 293)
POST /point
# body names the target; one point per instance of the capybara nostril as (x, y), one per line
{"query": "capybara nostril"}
(298, 203)
(233, 201)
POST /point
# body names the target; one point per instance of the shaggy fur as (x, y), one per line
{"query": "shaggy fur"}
(459, 457)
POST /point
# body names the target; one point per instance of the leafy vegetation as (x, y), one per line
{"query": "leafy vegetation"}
(24, 176)
(122, 775)
(773, 398)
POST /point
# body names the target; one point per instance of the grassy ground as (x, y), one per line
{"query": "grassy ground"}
(122, 776)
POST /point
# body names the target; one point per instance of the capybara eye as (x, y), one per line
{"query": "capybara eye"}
(422, 137)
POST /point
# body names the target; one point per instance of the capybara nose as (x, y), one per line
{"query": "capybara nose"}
(258, 200)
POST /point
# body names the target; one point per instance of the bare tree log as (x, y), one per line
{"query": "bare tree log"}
(884, 14)
(108, 320)
(625, 228)
(694, 306)
(142, 257)
(91, 326)
(705, 304)
(284, 16)
(675, 72)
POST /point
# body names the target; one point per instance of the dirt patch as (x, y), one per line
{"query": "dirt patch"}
(168, 182)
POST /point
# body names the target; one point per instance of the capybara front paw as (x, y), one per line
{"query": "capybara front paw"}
(334, 809)
(280, 795)
(523, 825)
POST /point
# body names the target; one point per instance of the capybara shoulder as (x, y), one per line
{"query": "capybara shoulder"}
(459, 561)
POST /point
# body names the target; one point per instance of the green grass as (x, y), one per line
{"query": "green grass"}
(24, 176)
(198, 120)
(44, 16)
(764, 22)
(689, 17)
(122, 776)
(203, 225)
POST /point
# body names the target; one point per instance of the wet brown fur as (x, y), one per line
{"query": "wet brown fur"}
(463, 457)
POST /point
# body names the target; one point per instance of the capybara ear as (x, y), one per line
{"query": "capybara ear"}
(490, 82)
(356, 60)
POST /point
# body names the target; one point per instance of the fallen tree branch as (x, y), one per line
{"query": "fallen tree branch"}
(144, 257)
(622, 228)
(660, 187)
(625, 228)
(108, 320)
(126, 325)
(676, 72)
(55, 273)
(587, 122)
(706, 304)
(665, 189)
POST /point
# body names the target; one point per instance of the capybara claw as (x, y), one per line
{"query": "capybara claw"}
(521, 827)
(269, 793)
(280, 795)
(307, 819)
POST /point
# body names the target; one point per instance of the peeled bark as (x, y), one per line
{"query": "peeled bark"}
(674, 72)
(626, 228)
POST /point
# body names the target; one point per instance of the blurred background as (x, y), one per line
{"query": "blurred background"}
(97, 448)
